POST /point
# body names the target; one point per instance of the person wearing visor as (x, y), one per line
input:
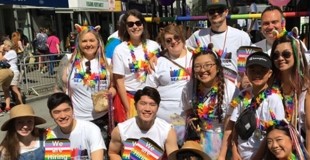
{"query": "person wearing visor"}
(226, 39)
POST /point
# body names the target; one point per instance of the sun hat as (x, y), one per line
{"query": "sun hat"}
(190, 146)
(22, 110)
(259, 58)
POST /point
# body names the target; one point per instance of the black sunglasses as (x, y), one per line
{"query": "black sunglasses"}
(169, 40)
(137, 23)
(188, 155)
(284, 54)
(88, 69)
(216, 10)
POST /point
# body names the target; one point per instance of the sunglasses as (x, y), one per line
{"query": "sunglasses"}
(216, 10)
(131, 24)
(284, 54)
(169, 40)
(188, 155)
(88, 69)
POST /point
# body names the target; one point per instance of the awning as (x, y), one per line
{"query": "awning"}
(43, 3)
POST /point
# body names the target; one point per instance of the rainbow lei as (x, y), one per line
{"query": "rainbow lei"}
(140, 65)
(206, 111)
(89, 79)
(292, 157)
(49, 134)
(289, 106)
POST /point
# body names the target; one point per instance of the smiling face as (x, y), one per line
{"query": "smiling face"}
(88, 44)
(279, 144)
(174, 44)
(205, 69)
(217, 16)
(63, 116)
(24, 126)
(135, 31)
(258, 75)
(146, 110)
(281, 57)
(271, 20)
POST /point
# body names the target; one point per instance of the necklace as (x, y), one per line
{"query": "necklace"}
(206, 111)
(140, 67)
(89, 79)
(220, 52)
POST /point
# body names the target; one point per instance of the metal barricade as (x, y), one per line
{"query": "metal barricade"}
(38, 72)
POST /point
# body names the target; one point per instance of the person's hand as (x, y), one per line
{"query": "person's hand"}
(152, 63)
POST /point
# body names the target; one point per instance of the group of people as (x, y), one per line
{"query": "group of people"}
(215, 119)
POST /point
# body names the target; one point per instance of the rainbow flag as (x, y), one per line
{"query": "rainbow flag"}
(128, 147)
(243, 52)
(57, 149)
(146, 149)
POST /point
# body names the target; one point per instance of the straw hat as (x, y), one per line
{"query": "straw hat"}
(22, 110)
(192, 146)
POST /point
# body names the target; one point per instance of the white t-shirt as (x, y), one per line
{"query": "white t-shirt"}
(158, 132)
(169, 79)
(81, 94)
(302, 113)
(11, 57)
(85, 135)
(274, 103)
(122, 59)
(235, 38)
(230, 91)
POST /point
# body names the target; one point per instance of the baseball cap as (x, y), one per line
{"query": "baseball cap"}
(216, 3)
(259, 58)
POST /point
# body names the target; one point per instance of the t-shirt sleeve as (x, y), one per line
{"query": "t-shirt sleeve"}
(9, 56)
(95, 139)
(275, 102)
(151, 80)
(117, 61)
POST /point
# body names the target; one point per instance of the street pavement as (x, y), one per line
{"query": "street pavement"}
(39, 105)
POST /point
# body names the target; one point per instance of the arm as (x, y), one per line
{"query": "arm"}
(234, 146)
(120, 85)
(171, 142)
(228, 125)
(20, 46)
(115, 145)
(260, 153)
(97, 155)
(307, 120)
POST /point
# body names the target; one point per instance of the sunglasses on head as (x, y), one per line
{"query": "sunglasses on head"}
(169, 40)
(88, 69)
(131, 24)
(284, 54)
(216, 10)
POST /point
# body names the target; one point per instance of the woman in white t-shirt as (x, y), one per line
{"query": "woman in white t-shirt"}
(292, 73)
(11, 57)
(131, 62)
(171, 73)
(206, 98)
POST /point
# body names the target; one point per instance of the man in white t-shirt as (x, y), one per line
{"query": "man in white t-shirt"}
(85, 137)
(225, 39)
(144, 125)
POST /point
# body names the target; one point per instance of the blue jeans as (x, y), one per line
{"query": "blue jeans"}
(52, 63)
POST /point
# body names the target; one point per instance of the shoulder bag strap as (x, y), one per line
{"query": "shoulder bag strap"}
(177, 64)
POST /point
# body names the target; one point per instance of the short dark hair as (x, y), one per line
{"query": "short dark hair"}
(273, 8)
(57, 99)
(148, 91)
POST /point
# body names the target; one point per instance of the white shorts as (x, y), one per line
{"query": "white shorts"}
(15, 80)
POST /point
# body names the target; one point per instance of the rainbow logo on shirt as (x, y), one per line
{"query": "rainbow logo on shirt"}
(180, 74)
(146, 149)
(128, 147)
(57, 149)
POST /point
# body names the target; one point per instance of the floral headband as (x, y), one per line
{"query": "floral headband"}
(85, 26)
(201, 48)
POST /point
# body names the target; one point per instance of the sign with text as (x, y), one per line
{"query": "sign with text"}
(43, 3)
(104, 5)
(57, 149)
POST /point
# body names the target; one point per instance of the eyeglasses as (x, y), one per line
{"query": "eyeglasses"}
(207, 66)
(169, 40)
(284, 54)
(216, 10)
(137, 23)
(88, 69)
(188, 155)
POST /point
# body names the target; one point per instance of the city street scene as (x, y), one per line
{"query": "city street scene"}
(154, 79)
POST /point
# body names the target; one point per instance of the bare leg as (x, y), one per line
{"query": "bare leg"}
(7, 98)
(18, 94)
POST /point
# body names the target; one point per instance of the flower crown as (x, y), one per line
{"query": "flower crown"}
(201, 48)
(85, 26)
